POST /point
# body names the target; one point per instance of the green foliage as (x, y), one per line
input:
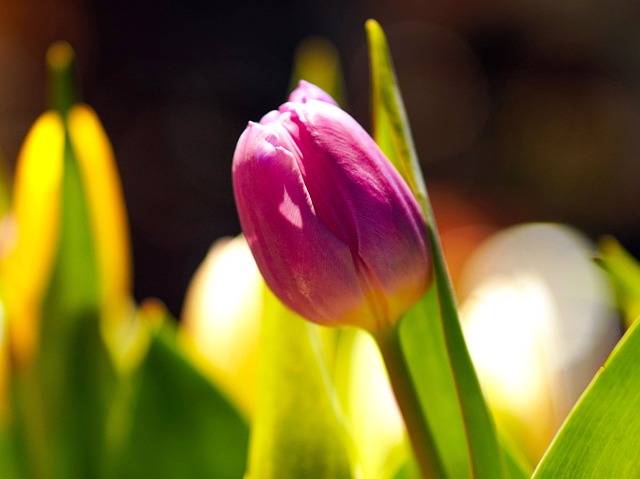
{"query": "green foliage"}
(180, 425)
(600, 437)
(74, 415)
(61, 400)
(456, 412)
(299, 429)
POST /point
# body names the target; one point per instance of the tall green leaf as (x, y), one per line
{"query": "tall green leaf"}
(430, 334)
(61, 399)
(600, 437)
(298, 428)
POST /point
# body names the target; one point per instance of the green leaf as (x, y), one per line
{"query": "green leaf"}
(8, 469)
(600, 437)
(430, 334)
(409, 470)
(426, 355)
(298, 428)
(61, 399)
(316, 60)
(516, 464)
(624, 271)
(181, 426)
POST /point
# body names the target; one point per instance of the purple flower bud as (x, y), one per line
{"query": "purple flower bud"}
(335, 231)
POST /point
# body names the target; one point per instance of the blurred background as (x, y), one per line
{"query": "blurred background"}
(521, 110)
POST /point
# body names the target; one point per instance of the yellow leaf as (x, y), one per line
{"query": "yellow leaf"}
(35, 211)
(106, 208)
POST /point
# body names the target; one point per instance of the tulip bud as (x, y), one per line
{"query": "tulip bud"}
(335, 230)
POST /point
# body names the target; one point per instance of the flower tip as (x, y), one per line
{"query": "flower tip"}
(307, 91)
(304, 84)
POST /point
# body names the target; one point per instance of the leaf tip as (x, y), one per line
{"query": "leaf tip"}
(372, 28)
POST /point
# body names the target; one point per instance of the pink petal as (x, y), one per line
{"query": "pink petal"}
(302, 261)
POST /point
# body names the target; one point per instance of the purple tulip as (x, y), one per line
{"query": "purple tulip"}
(334, 229)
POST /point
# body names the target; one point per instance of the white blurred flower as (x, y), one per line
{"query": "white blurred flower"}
(221, 318)
(539, 321)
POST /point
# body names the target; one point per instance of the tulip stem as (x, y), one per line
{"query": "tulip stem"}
(408, 401)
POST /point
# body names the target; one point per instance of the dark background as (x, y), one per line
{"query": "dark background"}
(521, 110)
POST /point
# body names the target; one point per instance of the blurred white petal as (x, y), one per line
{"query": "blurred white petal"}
(539, 320)
(221, 318)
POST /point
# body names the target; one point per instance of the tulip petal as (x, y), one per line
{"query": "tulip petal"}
(363, 201)
(302, 261)
(308, 91)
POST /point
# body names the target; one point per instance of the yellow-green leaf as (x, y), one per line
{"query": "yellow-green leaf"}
(600, 437)
(316, 60)
(431, 336)
(298, 428)
(62, 376)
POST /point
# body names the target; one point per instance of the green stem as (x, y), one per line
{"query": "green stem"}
(62, 88)
(406, 395)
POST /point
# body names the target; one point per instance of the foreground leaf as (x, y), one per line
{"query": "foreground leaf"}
(600, 437)
(454, 406)
(298, 428)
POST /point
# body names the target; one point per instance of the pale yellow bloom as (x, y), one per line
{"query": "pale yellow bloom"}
(221, 319)
(539, 321)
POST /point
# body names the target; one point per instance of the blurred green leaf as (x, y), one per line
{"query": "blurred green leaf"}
(600, 437)
(317, 61)
(62, 391)
(516, 464)
(409, 470)
(181, 426)
(624, 271)
(61, 399)
(430, 334)
(298, 429)
(8, 468)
